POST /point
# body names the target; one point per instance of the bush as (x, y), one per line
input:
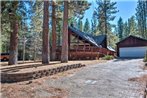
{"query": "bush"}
(145, 57)
(108, 57)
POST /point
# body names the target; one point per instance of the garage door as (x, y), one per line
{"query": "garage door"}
(132, 51)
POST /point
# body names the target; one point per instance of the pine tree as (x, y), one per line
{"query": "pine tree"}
(13, 39)
(94, 26)
(36, 29)
(77, 8)
(141, 15)
(9, 10)
(125, 30)
(25, 9)
(132, 26)
(5, 26)
(120, 28)
(64, 52)
(45, 44)
(80, 25)
(87, 26)
(53, 53)
(104, 13)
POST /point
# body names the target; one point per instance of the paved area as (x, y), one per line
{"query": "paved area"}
(104, 80)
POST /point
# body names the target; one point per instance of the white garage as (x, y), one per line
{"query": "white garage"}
(132, 52)
(132, 47)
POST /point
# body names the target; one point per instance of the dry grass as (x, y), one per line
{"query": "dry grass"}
(142, 79)
(35, 89)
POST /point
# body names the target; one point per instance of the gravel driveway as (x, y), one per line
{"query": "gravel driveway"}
(104, 80)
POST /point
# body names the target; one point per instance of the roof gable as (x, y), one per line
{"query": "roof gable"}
(95, 40)
(132, 41)
(84, 36)
(99, 39)
(133, 37)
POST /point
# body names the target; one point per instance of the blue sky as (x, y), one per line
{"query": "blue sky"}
(126, 9)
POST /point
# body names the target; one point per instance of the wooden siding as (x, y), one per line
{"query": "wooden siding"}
(131, 41)
(80, 49)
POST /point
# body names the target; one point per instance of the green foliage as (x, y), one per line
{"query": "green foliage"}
(112, 39)
(125, 29)
(104, 13)
(9, 13)
(80, 24)
(108, 57)
(87, 26)
(141, 16)
(145, 57)
(94, 26)
(77, 8)
(132, 26)
(120, 28)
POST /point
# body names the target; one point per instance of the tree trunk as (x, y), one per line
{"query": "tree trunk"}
(64, 52)
(13, 43)
(24, 47)
(35, 51)
(106, 29)
(45, 44)
(53, 57)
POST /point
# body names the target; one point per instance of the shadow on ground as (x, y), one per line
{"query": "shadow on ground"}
(124, 59)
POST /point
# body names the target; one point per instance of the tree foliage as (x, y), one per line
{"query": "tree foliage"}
(94, 26)
(87, 26)
(120, 28)
(80, 25)
(141, 16)
(104, 13)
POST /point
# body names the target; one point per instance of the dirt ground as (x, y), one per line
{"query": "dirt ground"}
(32, 89)
(142, 80)
(108, 79)
(37, 88)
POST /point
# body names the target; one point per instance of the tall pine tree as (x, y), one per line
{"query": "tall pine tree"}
(120, 28)
(141, 15)
(132, 26)
(125, 30)
(80, 24)
(94, 25)
(87, 26)
(10, 11)
(64, 52)
(45, 37)
(104, 13)
(53, 53)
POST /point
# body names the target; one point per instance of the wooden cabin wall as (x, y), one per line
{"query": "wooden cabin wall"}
(80, 49)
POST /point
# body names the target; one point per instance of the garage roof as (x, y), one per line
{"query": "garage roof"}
(131, 36)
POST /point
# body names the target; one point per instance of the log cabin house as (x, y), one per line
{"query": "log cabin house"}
(84, 46)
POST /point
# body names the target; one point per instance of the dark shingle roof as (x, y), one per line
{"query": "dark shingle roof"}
(132, 37)
(99, 39)
(84, 36)
(95, 40)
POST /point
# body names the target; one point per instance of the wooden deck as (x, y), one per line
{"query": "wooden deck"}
(85, 52)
